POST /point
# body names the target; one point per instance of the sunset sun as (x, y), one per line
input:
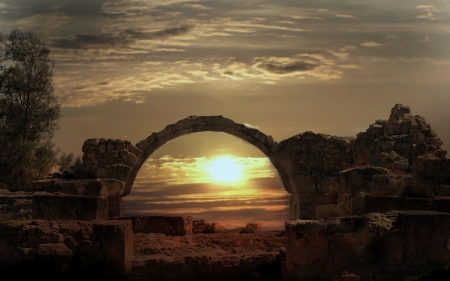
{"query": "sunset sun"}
(224, 169)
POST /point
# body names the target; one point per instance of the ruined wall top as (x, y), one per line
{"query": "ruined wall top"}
(303, 161)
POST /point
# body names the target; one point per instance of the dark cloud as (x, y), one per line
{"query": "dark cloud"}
(82, 7)
(91, 8)
(121, 39)
(281, 68)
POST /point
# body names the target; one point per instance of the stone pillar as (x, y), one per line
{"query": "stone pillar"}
(115, 207)
(295, 207)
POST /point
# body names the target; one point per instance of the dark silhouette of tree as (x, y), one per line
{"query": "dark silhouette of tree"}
(29, 110)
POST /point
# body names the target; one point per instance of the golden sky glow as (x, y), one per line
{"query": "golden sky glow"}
(217, 169)
(221, 187)
(225, 169)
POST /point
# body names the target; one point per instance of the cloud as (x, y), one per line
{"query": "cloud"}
(79, 91)
(371, 44)
(393, 37)
(280, 65)
(123, 39)
(430, 12)
(195, 170)
(344, 16)
(197, 6)
(261, 199)
(349, 66)
(312, 65)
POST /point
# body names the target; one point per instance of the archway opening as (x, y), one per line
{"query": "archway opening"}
(210, 176)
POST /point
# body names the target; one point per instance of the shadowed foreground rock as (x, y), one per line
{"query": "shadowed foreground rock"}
(392, 246)
(70, 247)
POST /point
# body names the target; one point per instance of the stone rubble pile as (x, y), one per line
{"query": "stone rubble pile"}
(407, 135)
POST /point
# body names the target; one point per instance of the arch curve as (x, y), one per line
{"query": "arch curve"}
(197, 124)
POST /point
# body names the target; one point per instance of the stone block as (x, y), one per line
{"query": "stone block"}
(214, 128)
(270, 142)
(120, 172)
(404, 129)
(258, 135)
(387, 146)
(58, 255)
(330, 210)
(417, 138)
(391, 247)
(393, 130)
(304, 183)
(426, 237)
(136, 151)
(67, 207)
(356, 179)
(376, 128)
(115, 206)
(306, 243)
(116, 239)
(420, 147)
(255, 226)
(101, 148)
(88, 187)
(225, 122)
(176, 226)
(119, 146)
(183, 124)
(93, 142)
(214, 120)
(128, 162)
(199, 121)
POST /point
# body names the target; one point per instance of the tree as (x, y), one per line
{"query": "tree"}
(29, 110)
(67, 163)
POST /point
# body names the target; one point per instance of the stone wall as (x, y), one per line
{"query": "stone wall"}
(175, 226)
(108, 158)
(16, 205)
(106, 187)
(325, 170)
(391, 246)
(382, 204)
(69, 207)
(56, 247)
(310, 165)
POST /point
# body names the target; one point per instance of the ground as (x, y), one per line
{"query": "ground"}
(223, 256)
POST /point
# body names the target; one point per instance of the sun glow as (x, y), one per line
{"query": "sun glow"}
(224, 169)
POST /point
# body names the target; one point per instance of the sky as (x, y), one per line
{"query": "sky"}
(125, 69)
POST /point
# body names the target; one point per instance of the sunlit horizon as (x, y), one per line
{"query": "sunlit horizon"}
(226, 187)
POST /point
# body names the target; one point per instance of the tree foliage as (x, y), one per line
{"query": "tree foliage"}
(68, 163)
(29, 109)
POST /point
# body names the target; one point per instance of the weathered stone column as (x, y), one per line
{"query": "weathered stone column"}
(115, 207)
(294, 207)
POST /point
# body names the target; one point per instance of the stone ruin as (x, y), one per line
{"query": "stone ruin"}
(388, 168)
(325, 175)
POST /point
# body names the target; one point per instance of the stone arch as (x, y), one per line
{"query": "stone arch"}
(196, 124)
